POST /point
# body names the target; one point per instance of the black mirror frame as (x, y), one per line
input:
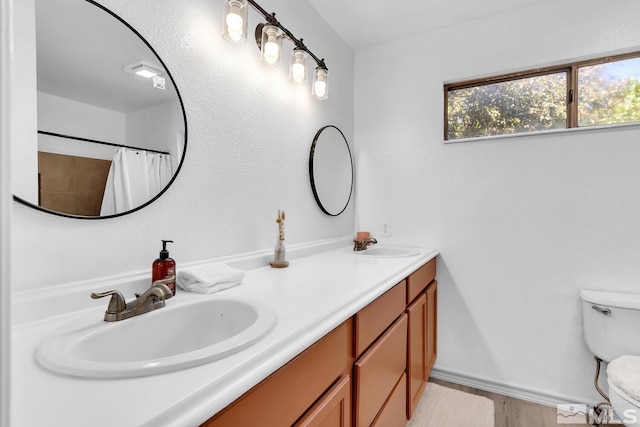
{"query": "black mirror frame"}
(311, 176)
(184, 150)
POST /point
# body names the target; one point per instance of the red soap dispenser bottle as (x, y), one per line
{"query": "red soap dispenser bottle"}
(164, 267)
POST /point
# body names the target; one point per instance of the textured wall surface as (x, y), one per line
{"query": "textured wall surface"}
(249, 135)
(523, 223)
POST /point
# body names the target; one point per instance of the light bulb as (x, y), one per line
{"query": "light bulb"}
(320, 88)
(235, 21)
(298, 72)
(235, 24)
(298, 68)
(271, 50)
(320, 83)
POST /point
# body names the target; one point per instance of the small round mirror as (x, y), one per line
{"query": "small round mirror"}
(331, 170)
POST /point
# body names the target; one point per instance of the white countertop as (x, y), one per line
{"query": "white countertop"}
(311, 297)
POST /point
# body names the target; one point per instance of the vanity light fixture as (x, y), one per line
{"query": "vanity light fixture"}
(269, 37)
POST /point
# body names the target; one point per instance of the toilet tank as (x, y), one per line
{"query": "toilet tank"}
(611, 323)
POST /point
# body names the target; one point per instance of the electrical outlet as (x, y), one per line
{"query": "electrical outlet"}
(386, 228)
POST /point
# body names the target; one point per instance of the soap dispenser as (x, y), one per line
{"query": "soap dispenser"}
(164, 267)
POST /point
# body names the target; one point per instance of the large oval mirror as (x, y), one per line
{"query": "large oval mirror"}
(112, 129)
(331, 170)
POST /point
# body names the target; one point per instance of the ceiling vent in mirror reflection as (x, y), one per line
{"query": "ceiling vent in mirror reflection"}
(331, 170)
(94, 120)
(148, 71)
(143, 69)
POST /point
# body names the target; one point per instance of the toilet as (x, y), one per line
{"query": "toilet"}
(611, 322)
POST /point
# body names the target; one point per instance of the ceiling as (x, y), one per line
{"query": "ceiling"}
(364, 23)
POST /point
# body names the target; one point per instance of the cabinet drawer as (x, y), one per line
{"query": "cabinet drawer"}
(332, 410)
(377, 371)
(394, 412)
(372, 320)
(420, 279)
(285, 395)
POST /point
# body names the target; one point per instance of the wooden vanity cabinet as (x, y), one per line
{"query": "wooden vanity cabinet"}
(393, 414)
(369, 371)
(378, 371)
(284, 397)
(333, 409)
(421, 342)
(419, 279)
(375, 318)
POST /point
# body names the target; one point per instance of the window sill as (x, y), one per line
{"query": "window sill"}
(545, 132)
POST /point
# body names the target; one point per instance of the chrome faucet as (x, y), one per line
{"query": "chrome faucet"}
(361, 245)
(151, 299)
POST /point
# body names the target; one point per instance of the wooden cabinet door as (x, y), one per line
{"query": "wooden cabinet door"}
(432, 326)
(332, 410)
(394, 412)
(416, 352)
(377, 372)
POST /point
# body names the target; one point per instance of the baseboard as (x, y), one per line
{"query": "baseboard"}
(505, 389)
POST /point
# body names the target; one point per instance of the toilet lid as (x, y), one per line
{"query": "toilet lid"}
(624, 373)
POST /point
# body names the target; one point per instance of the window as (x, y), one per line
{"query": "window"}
(591, 93)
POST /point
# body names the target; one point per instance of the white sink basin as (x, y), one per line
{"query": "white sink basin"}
(386, 252)
(165, 340)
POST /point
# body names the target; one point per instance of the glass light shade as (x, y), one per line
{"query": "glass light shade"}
(271, 46)
(235, 21)
(320, 88)
(298, 68)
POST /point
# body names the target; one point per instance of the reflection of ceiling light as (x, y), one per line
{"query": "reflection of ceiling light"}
(143, 69)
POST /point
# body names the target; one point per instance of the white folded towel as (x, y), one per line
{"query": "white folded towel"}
(209, 278)
(624, 373)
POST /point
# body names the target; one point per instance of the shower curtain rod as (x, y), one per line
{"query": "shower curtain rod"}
(42, 132)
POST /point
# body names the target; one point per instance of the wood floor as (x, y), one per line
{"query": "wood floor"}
(511, 412)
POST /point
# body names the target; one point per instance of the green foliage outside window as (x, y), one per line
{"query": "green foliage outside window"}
(607, 93)
(607, 96)
(515, 106)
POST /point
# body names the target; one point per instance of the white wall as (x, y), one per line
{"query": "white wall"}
(156, 127)
(23, 102)
(522, 224)
(6, 56)
(249, 135)
(67, 116)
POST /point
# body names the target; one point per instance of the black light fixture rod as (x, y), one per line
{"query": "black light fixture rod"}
(271, 19)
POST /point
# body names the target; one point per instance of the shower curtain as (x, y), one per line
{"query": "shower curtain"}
(135, 177)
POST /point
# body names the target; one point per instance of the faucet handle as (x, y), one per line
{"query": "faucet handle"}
(117, 303)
